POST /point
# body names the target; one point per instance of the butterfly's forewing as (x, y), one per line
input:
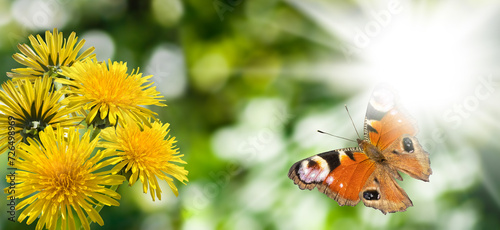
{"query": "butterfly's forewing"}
(340, 174)
(385, 120)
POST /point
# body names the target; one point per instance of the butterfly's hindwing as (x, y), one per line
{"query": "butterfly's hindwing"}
(382, 192)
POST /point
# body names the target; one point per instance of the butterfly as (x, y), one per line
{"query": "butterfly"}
(368, 172)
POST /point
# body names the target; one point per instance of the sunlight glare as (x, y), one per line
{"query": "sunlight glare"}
(430, 63)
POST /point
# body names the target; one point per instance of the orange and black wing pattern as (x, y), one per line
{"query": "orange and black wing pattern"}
(340, 174)
(386, 121)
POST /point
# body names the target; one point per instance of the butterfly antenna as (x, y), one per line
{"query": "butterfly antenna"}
(319, 131)
(346, 109)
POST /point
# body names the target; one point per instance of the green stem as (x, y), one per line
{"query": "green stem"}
(96, 132)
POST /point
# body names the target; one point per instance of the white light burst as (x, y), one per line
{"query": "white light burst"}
(442, 58)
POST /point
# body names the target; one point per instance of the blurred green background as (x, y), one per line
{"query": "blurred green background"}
(248, 83)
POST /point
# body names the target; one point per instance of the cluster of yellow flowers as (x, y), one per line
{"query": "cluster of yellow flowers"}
(62, 170)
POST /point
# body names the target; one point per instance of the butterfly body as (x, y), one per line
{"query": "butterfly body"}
(368, 172)
(371, 151)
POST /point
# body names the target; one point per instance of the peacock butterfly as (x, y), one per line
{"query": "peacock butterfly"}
(367, 172)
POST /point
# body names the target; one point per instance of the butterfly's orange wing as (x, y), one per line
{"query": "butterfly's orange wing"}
(389, 127)
(340, 174)
(386, 121)
(391, 132)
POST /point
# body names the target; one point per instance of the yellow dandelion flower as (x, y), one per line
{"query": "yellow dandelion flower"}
(29, 107)
(147, 153)
(109, 92)
(49, 55)
(57, 175)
